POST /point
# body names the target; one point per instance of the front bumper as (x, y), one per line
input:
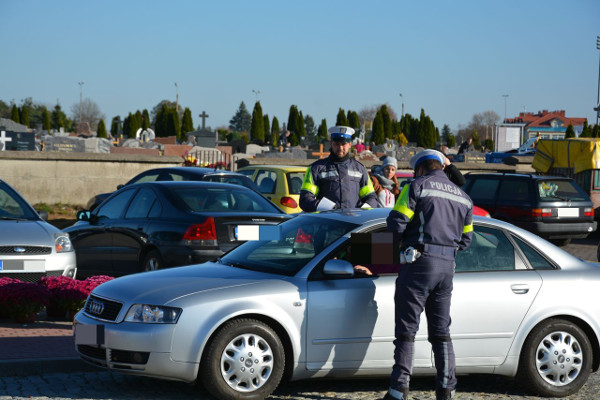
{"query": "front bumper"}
(132, 348)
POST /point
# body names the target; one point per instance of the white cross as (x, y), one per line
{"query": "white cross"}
(4, 139)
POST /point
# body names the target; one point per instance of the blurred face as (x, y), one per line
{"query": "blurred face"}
(340, 149)
(389, 171)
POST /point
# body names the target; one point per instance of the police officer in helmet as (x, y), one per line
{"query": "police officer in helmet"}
(337, 181)
(431, 220)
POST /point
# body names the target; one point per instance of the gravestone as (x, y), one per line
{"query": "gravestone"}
(253, 149)
(64, 144)
(202, 138)
(20, 141)
(83, 128)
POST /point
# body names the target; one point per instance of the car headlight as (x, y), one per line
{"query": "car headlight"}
(150, 314)
(62, 243)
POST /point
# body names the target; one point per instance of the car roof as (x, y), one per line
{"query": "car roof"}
(281, 167)
(518, 175)
(191, 170)
(206, 184)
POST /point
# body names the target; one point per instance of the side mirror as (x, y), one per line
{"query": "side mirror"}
(338, 268)
(83, 215)
(43, 214)
(120, 186)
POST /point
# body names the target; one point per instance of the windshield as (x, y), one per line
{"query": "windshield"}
(553, 190)
(12, 206)
(301, 239)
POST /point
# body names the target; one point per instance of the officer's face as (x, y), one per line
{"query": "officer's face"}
(340, 149)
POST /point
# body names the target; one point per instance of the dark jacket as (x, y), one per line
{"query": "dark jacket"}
(432, 210)
(346, 183)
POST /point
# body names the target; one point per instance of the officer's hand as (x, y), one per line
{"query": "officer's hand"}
(361, 269)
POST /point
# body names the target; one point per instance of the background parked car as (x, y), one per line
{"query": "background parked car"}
(180, 174)
(552, 207)
(31, 248)
(295, 307)
(153, 225)
(279, 183)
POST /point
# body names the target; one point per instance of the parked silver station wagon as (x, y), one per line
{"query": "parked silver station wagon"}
(293, 307)
(30, 248)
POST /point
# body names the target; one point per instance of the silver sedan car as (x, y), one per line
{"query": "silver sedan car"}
(293, 307)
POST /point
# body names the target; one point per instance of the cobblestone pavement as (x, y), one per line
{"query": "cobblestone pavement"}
(106, 385)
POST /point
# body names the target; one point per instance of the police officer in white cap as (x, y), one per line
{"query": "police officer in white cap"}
(337, 181)
(432, 219)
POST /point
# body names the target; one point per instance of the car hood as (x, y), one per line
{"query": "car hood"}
(164, 286)
(26, 233)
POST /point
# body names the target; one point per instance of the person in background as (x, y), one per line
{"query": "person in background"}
(386, 184)
(432, 220)
(360, 147)
(466, 146)
(337, 181)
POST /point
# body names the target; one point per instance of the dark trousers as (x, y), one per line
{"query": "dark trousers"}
(426, 285)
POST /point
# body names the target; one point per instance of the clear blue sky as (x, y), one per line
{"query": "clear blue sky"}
(451, 58)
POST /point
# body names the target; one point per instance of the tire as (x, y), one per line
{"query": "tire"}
(152, 261)
(245, 360)
(556, 359)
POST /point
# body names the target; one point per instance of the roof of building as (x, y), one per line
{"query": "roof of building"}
(544, 118)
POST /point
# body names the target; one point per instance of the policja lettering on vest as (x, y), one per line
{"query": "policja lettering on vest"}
(337, 181)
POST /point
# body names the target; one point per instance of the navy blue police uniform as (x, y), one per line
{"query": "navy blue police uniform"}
(345, 182)
(433, 216)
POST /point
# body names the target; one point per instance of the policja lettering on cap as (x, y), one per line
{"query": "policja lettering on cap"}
(341, 134)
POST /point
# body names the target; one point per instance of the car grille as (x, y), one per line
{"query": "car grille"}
(33, 277)
(24, 250)
(92, 352)
(102, 308)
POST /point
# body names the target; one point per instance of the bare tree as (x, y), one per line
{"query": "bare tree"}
(88, 111)
(366, 115)
(483, 123)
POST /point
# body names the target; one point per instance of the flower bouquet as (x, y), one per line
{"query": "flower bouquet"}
(22, 301)
(3, 308)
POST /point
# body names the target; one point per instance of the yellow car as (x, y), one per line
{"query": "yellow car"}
(280, 183)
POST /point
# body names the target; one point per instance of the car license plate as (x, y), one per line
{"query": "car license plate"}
(1, 265)
(568, 212)
(89, 334)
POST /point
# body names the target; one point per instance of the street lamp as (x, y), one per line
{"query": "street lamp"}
(176, 98)
(80, 97)
(505, 96)
(598, 96)
(402, 97)
(256, 92)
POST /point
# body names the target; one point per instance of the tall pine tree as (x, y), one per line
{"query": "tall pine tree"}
(341, 119)
(322, 131)
(267, 128)
(24, 114)
(14, 114)
(187, 124)
(45, 119)
(257, 127)
(114, 126)
(275, 132)
(102, 129)
(387, 122)
(570, 133)
(378, 129)
(242, 120)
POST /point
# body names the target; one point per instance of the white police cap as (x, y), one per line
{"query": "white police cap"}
(341, 133)
(423, 155)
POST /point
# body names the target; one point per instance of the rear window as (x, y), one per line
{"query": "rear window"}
(202, 199)
(556, 190)
(483, 189)
(295, 180)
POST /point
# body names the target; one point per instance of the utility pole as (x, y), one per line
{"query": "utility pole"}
(256, 92)
(402, 97)
(176, 99)
(80, 98)
(598, 96)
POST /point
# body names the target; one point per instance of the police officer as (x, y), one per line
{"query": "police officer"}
(337, 181)
(433, 219)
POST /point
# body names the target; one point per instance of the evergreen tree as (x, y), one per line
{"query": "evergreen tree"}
(322, 131)
(309, 126)
(4, 110)
(175, 124)
(45, 119)
(476, 140)
(102, 129)
(570, 133)
(14, 115)
(136, 122)
(353, 119)
(587, 131)
(293, 119)
(126, 130)
(58, 118)
(446, 133)
(187, 125)
(596, 131)
(427, 134)
(301, 130)
(114, 126)
(378, 129)
(242, 120)
(275, 132)
(489, 144)
(24, 115)
(257, 127)
(387, 121)
(146, 119)
(341, 119)
(160, 122)
(267, 128)
(451, 141)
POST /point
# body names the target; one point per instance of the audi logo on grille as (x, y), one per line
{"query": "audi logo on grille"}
(96, 307)
(19, 250)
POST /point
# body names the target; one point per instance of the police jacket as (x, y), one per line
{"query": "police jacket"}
(431, 210)
(346, 183)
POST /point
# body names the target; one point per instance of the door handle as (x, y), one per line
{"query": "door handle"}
(520, 288)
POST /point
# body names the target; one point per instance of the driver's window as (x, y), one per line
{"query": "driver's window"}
(114, 207)
(490, 250)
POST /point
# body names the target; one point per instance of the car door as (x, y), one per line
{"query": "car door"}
(130, 233)
(482, 191)
(93, 240)
(493, 290)
(350, 323)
